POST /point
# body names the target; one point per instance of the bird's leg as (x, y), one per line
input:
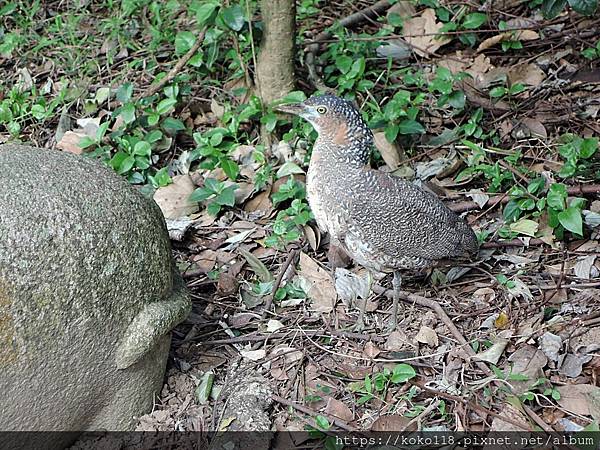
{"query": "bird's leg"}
(360, 322)
(396, 283)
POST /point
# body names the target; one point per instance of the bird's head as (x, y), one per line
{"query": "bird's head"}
(336, 120)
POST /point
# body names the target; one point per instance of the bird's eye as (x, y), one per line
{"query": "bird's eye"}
(321, 109)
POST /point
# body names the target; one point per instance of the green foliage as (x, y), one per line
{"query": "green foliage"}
(499, 92)
(574, 150)
(592, 53)
(20, 108)
(288, 223)
(131, 140)
(461, 21)
(217, 192)
(509, 44)
(377, 385)
(552, 8)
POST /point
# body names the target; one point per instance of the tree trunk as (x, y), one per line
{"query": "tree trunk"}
(275, 65)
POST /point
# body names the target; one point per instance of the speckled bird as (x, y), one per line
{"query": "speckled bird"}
(384, 223)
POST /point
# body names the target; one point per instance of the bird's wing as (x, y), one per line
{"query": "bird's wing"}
(399, 219)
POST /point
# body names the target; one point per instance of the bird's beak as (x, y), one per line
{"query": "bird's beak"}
(293, 108)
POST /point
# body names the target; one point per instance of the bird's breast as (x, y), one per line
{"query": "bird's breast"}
(326, 201)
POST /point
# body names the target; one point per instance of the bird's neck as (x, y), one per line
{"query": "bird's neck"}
(351, 153)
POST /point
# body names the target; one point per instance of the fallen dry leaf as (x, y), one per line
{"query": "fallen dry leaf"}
(390, 152)
(174, 199)
(393, 423)
(583, 399)
(528, 361)
(70, 142)
(321, 289)
(427, 336)
(338, 409)
(420, 33)
(522, 35)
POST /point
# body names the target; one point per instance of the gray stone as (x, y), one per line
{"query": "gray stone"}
(88, 296)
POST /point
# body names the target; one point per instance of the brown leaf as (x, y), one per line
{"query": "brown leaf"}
(528, 361)
(420, 33)
(393, 423)
(390, 152)
(338, 409)
(260, 202)
(528, 74)
(427, 336)
(174, 199)
(583, 399)
(206, 260)
(70, 142)
(511, 412)
(227, 284)
(321, 288)
(371, 350)
(522, 35)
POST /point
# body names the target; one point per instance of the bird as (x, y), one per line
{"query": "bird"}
(384, 223)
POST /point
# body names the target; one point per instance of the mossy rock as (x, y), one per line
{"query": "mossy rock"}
(88, 296)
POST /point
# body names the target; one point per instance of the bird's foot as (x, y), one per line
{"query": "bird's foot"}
(359, 326)
(393, 326)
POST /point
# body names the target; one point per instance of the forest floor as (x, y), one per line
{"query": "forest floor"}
(508, 342)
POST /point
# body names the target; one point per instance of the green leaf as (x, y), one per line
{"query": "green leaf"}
(124, 92)
(589, 53)
(162, 177)
(570, 218)
(588, 147)
(86, 141)
(525, 226)
(38, 111)
(536, 185)
(227, 197)
(557, 194)
(511, 211)
(204, 12)
(230, 168)
(343, 63)
(391, 132)
(457, 99)
(184, 41)
(403, 373)
(552, 8)
(234, 17)
(127, 112)
(154, 136)
(410, 127)
(200, 194)
(213, 185)
(395, 20)
(474, 20)
(498, 91)
(166, 105)
(142, 148)
(322, 422)
(213, 208)
(516, 88)
(585, 7)
(294, 97)
(172, 125)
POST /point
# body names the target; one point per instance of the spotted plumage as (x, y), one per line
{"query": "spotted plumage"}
(383, 222)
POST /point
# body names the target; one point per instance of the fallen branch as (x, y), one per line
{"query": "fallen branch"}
(354, 19)
(283, 269)
(340, 423)
(436, 307)
(154, 88)
(586, 189)
(474, 406)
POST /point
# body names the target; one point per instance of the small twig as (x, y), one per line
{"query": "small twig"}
(282, 270)
(537, 419)
(436, 307)
(154, 88)
(340, 423)
(475, 406)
